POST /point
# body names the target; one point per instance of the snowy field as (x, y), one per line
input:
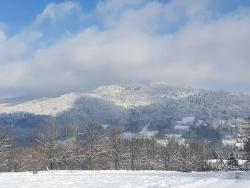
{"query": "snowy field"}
(125, 179)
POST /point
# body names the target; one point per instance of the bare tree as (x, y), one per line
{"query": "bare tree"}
(192, 155)
(31, 159)
(149, 152)
(47, 140)
(95, 147)
(169, 153)
(116, 142)
(133, 124)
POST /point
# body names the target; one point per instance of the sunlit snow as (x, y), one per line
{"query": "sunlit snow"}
(125, 179)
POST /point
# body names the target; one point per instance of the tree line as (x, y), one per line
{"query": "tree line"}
(92, 148)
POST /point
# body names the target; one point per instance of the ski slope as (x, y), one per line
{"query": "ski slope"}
(125, 179)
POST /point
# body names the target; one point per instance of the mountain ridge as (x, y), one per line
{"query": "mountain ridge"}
(124, 95)
(159, 107)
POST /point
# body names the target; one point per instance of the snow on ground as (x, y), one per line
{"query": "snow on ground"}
(144, 133)
(181, 127)
(54, 106)
(186, 120)
(46, 106)
(229, 142)
(125, 179)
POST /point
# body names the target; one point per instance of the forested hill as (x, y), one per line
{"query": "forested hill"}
(159, 106)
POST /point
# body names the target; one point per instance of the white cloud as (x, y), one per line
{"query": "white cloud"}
(3, 26)
(134, 47)
(2, 36)
(54, 11)
(15, 48)
(113, 6)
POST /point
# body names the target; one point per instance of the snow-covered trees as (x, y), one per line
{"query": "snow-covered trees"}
(93, 147)
(31, 159)
(169, 153)
(6, 151)
(246, 130)
(47, 140)
(116, 144)
(188, 156)
(232, 162)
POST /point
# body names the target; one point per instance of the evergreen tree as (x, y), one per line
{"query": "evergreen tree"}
(232, 162)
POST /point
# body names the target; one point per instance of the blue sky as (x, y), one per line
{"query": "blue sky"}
(18, 14)
(53, 47)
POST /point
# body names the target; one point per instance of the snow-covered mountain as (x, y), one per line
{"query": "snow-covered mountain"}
(121, 95)
(155, 104)
(125, 96)
(133, 95)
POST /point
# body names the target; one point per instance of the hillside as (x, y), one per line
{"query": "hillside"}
(160, 106)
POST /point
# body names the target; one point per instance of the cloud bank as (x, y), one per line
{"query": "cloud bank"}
(187, 43)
